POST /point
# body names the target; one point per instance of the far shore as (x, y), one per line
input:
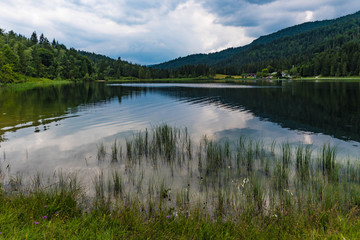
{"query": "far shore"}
(31, 82)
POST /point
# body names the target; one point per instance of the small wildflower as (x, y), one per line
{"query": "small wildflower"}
(35, 222)
(245, 181)
(288, 191)
(44, 217)
(168, 216)
(45, 206)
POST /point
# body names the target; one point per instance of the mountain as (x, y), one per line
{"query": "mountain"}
(213, 58)
(329, 48)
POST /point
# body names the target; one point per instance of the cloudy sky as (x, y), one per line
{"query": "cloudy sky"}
(153, 31)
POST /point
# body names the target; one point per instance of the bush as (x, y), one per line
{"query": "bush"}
(7, 75)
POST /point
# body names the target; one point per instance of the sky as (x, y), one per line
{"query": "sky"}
(153, 31)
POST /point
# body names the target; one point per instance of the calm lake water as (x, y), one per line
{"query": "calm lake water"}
(53, 128)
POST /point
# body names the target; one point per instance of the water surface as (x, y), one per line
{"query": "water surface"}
(52, 128)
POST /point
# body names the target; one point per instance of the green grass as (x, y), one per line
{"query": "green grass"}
(23, 217)
(26, 83)
(202, 79)
(331, 79)
(162, 80)
(235, 80)
(160, 184)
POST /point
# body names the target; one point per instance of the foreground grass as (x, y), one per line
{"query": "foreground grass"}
(161, 185)
(56, 216)
(44, 215)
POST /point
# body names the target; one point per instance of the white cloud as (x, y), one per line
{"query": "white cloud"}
(162, 29)
(148, 31)
(275, 15)
(194, 30)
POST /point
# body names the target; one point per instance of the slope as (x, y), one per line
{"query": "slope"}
(296, 45)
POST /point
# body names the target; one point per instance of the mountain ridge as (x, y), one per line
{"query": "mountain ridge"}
(229, 58)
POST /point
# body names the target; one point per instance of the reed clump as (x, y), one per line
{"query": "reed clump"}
(282, 176)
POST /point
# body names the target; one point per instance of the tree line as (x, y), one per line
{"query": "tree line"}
(38, 57)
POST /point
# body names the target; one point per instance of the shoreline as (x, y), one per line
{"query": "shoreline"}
(30, 82)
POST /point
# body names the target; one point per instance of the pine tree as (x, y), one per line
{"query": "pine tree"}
(33, 38)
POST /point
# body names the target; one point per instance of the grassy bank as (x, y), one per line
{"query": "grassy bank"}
(26, 83)
(202, 79)
(331, 79)
(161, 80)
(230, 79)
(183, 80)
(161, 184)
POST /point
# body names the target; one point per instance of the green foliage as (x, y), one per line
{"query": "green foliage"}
(117, 69)
(10, 57)
(37, 57)
(33, 38)
(7, 75)
(264, 72)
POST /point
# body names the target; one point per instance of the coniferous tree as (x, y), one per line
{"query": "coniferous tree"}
(33, 38)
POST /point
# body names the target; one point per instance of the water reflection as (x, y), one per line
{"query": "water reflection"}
(331, 108)
(60, 127)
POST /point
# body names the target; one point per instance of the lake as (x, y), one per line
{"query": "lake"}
(61, 128)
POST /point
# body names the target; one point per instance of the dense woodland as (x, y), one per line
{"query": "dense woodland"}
(327, 48)
(38, 57)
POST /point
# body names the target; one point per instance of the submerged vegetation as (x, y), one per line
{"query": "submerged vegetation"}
(162, 183)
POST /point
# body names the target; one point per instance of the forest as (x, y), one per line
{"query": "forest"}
(22, 57)
(326, 48)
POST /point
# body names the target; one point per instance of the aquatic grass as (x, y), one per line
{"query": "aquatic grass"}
(117, 183)
(100, 195)
(273, 146)
(101, 151)
(221, 164)
(328, 160)
(114, 151)
(267, 167)
(286, 154)
(249, 156)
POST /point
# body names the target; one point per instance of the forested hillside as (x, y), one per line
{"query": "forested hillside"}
(38, 57)
(327, 48)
